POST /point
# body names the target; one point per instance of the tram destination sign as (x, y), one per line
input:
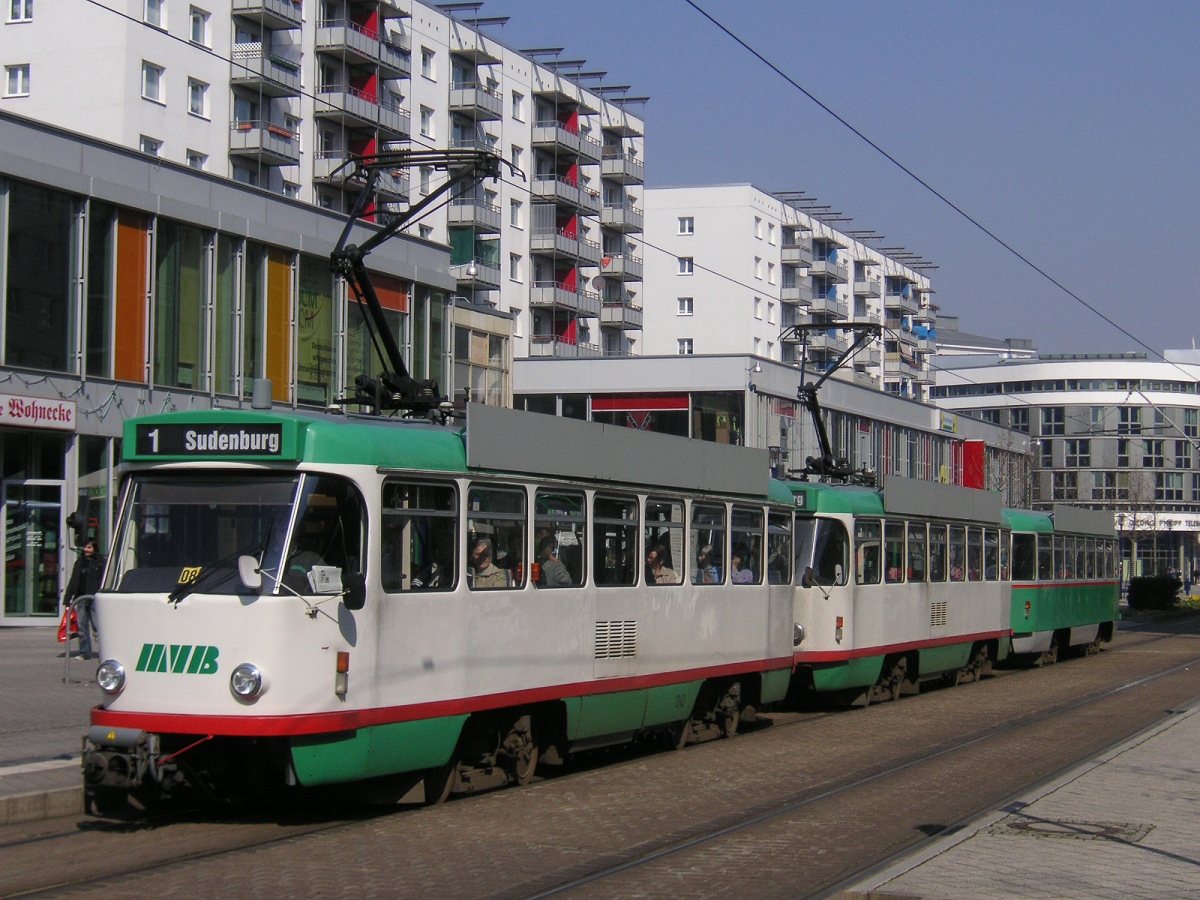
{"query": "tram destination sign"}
(204, 441)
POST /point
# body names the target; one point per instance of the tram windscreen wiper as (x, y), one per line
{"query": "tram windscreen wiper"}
(222, 566)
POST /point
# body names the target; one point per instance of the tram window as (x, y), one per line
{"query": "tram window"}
(1080, 557)
(496, 527)
(779, 548)
(974, 554)
(419, 547)
(746, 546)
(560, 534)
(614, 540)
(708, 543)
(991, 555)
(937, 553)
(1024, 557)
(893, 552)
(1090, 558)
(823, 547)
(916, 551)
(867, 551)
(664, 539)
(1060, 557)
(1005, 539)
(958, 553)
(1045, 557)
(329, 531)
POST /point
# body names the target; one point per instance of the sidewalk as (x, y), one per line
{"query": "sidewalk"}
(1121, 825)
(42, 723)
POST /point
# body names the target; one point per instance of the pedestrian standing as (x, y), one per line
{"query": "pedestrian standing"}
(85, 581)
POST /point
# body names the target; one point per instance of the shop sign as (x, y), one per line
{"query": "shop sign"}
(33, 412)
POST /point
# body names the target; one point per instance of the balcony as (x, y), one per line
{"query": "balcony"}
(867, 357)
(826, 342)
(479, 214)
(797, 254)
(392, 184)
(830, 268)
(558, 189)
(264, 73)
(278, 15)
(831, 306)
(357, 45)
(476, 101)
(622, 217)
(621, 315)
(797, 292)
(622, 266)
(558, 243)
(617, 165)
(542, 345)
(268, 144)
(552, 295)
(486, 277)
(909, 304)
(553, 135)
(866, 287)
(355, 109)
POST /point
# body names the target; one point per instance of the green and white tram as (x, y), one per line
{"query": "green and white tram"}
(306, 600)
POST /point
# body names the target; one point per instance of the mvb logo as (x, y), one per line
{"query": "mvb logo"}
(178, 658)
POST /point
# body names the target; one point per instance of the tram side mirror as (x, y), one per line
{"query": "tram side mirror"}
(250, 573)
(839, 575)
(77, 522)
(355, 597)
(808, 579)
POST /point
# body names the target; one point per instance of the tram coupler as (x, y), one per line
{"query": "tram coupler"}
(120, 758)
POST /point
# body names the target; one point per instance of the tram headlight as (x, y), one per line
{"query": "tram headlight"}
(797, 634)
(111, 677)
(246, 682)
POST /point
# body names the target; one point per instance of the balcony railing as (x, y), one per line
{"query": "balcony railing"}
(480, 214)
(829, 267)
(479, 102)
(559, 243)
(623, 266)
(273, 14)
(355, 43)
(866, 287)
(554, 133)
(822, 303)
(351, 106)
(270, 144)
(797, 254)
(552, 295)
(486, 276)
(273, 75)
(557, 188)
(541, 345)
(905, 304)
(622, 315)
(392, 183)
(622, 217)
(797, 292)
(617, 165)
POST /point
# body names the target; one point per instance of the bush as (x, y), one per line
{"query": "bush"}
(1156, 592)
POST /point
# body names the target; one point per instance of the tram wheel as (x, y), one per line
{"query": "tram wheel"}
(728, 713)
(1050, 657)
(522, 751)
(440, 782)
(679, 735)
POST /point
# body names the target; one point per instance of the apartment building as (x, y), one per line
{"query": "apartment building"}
(1109, 431)
(279, 94)
(731, 268)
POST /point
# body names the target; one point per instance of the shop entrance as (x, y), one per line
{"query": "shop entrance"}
(33, 547)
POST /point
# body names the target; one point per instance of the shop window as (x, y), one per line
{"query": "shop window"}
(180, 293)
(315, 357)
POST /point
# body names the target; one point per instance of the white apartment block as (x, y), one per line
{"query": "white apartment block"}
(279, 94)
(729, 268)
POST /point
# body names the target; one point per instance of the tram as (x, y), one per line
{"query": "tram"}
(308, 600)
(922, 582)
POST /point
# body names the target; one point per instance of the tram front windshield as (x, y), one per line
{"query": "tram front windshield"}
(822, 546)
(179, 529)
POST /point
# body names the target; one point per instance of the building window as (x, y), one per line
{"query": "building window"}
(1168, 486)
(196, 160)
(684, 306)
(1054, 420)
(1191, 421)
(770, 313)
(514, 267)
(1183, 454)
(199, 27)
(685, 265)
(21, 11)
(1047, 453)
(426, 122)
(150, 146)
(425, 232)
(1152, 455)
(771, 233)
(758, 227)
(758, 267)
(16, 83)
(152, 82)
(1110, 486)
(687, 225)
(1196, 488)
(518, 106)
(1078, 454)
(1123, 453)
(758, 307)
(197, 98)
(514, 213)
(990, 415)
(1129, 420)
(427, 63)
(1066, 486)
(685, 346)
(425, 173)
(514, 156)
(1020, 419)
(154, 12)
(1097, 419)
(481, 364)
(1160, 421)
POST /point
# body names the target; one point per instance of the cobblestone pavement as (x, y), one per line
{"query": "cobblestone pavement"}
(1123, 825)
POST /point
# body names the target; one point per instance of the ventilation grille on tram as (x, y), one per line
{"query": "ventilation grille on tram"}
(616, 639)
(937, 613)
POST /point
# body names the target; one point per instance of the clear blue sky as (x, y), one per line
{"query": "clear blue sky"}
(1070, 129)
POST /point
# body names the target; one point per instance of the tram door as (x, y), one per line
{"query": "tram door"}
(33, 547)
